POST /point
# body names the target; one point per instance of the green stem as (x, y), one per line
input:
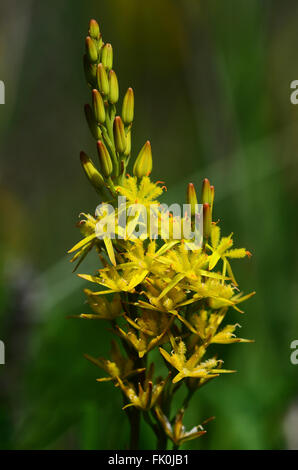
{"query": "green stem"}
(162, 441)
(134, 428)
(149, 421)
(187, 398)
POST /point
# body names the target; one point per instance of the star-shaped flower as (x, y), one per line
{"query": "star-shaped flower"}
(192, 367)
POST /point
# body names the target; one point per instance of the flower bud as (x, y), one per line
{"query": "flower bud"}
(90, 71)
(211, 197)
(119, 135)
(91, 49)
(94, 31)
(192, 198)
(206, 193)
(102, 79)
(107, 56)
(128, 143)
(98, 107)
(212, 194)
(105, 159)
(143, 163)
(94, 128)
(114, 87)
(91, 172)
(206, 220)
(128, 107)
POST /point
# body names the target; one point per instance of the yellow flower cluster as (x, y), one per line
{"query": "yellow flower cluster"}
(157, 294)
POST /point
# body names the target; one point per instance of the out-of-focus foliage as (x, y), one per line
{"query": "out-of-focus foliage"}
(213, 92)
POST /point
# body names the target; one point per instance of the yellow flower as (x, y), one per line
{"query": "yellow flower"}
(152, 330)
(102, 308)
(142, 258)
(192, 367)
(119, 366)
(144, 192)
(176, 432)
(219, 295)
(147, 395)
(82, 248)
(168, 303)
(114, 280)
(206, 325)
(187, 265)
(221, 249)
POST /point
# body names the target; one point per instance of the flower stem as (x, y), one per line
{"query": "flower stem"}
(134, 420)
(162, 441)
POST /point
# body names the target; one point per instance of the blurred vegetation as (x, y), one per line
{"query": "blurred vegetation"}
(212, 85)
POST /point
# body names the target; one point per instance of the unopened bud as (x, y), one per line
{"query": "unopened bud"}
(119, 135)
(90, 71)
(128, 107)
(105, 159)
(91, 49)
(94, 128)
(98, 107)
(143, 163)
(114, 87)
(206, 220)
(128, 143)
(94, 31)
(211, 197)
(192, 198)
(107, 56)
(102, 79)
(91, 172)
(206, 193)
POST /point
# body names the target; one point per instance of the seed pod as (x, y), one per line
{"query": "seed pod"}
(102, 80)
(94, 31)
(128, 107)
(206, 220)
(192, 198)
(91, 49)
(206, 193)
(119, 135)
(105, 159)
(98, 107)
(143, 163)
(94, 128)
(107, 56)
(91, 172)
(114, 87)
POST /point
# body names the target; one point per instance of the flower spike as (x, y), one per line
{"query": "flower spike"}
(159, 290)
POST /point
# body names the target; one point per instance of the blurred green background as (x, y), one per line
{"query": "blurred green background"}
(212, 85)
